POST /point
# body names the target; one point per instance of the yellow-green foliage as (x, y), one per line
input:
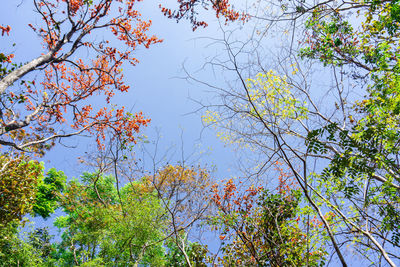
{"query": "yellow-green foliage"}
(268, 97)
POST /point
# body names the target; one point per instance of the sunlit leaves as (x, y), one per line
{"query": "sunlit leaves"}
(329, 38)
(270, 95)
(24, 190)
(106, 226)
(259, 227)
(268, 99)
(48, 193)
(19, 179)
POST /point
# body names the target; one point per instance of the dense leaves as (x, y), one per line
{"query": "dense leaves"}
(263, 228)
(104, 226)
(18, 187)
(25, 190)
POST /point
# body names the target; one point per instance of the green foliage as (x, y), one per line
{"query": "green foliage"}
(362, 173)
(25, 190)
(19, 180)
(14, 251)
(48, 191)
(335, 37)
(107, 227)
(196, 252)
(368, 150)
(102, 226)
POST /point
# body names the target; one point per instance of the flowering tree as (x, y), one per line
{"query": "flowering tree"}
(266, 228)
(48, 97)
(189, 9)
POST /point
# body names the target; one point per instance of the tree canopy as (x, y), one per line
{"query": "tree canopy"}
(314, 117)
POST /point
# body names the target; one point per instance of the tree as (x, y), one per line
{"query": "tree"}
(40, 240)
(195, 253)
(48, 193)
(342, 148)
(15, 251)
(259, 227)
(104, 226)
(25, 189)
(182, 191)
(188, 9)
(18, 187)
(48, 98)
